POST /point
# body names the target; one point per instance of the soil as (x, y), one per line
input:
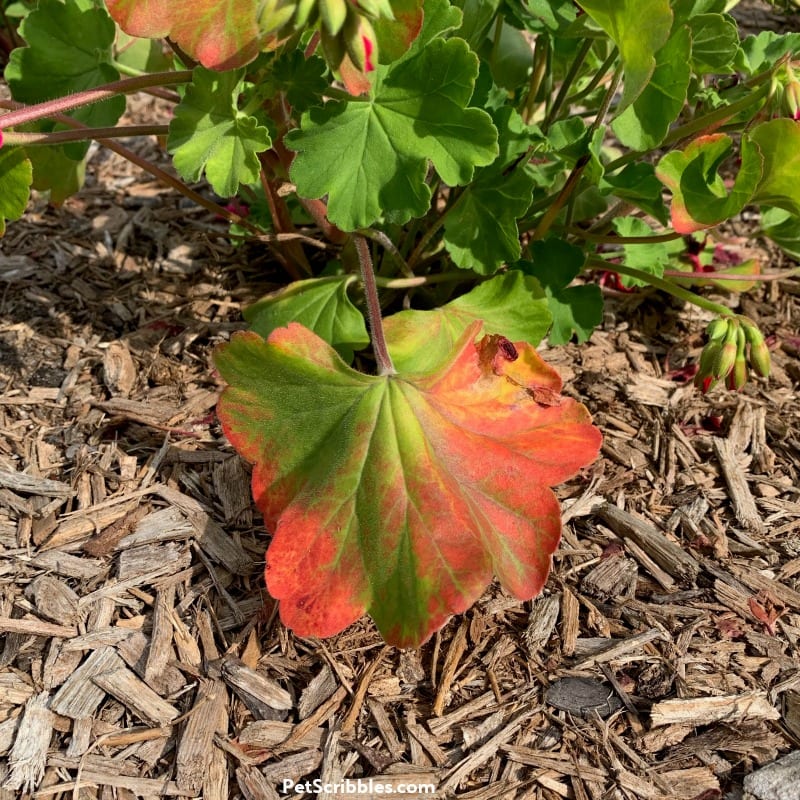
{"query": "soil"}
(141, 658)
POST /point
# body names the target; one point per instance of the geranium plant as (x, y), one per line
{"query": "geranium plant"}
(471, 166)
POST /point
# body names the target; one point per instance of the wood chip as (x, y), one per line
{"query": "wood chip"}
(705, 710)
(29, 754)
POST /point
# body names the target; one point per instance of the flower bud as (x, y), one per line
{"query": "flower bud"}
(791, 99)
(361, 42)
(717, 328)
(333, 14)
(737, 377)
(759, 358)
(274, 14)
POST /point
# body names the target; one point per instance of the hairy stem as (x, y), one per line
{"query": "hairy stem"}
(63, 104)
(62, 137)
(382, 357)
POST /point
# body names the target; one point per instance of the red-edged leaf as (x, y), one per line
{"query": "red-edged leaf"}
(395, 496)
(220, 34)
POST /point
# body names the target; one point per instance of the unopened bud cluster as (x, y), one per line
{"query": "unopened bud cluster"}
(735, 345)
(345, 26)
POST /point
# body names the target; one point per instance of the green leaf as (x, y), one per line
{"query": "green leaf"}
(637, 183)
(758, 53)
(575, 309)
(396, 35)
(15, 182)
(480, 230)
(220, 34)
(699, 196)
(639, 28)
(715, 42)
(784, 229)
(145, 55)
(511, 304)
(779, 142)
(537, 16)
(652, 257)
(684, 10)
(209, 133)
(400, 496)
(303, 79)
(68, 50)
(371, 156)
(55, 172)
(644, 124)
(322, 305)
(511, 58)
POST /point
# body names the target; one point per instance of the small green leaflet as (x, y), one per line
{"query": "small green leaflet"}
(370, 155)
(575, 309)
(15, 182)
(68, 50)
(639, 28)
(511, 304)
(645, 123)
(322, 305)
(209, 133)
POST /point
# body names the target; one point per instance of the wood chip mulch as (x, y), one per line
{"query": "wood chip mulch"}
(141, 658)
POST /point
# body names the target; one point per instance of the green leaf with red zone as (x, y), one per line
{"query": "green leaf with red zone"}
(700, 198)
(209, 134)
(16, 174)
(221, 35)
(68, 50)
(322, 305)
(779, 142)
(395, 36)
(511, 303)
(639, 28)
(400, 496)
(575, 310)
(370, 156)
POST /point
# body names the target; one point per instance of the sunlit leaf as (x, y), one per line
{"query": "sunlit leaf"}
(400, 496)
(322, 305)
(511, 304)
(700, 198)
(779, 142)
(639, 28)
(209, 134)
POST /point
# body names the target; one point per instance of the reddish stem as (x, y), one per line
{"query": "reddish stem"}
(379, 347)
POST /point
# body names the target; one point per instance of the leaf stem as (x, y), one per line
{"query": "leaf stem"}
(549, 216)
(63, 104)
(379, 347)
(601, 238)
(62, 137)
(724, 276)
(424, 280)
(659, 283)
(574, 68)
(712, 120)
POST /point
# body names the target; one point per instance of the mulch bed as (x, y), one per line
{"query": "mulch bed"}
(141, 658)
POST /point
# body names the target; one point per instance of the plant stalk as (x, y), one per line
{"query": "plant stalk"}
(63, 104)
(664, 285)
(62, 137)
(379, 347)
